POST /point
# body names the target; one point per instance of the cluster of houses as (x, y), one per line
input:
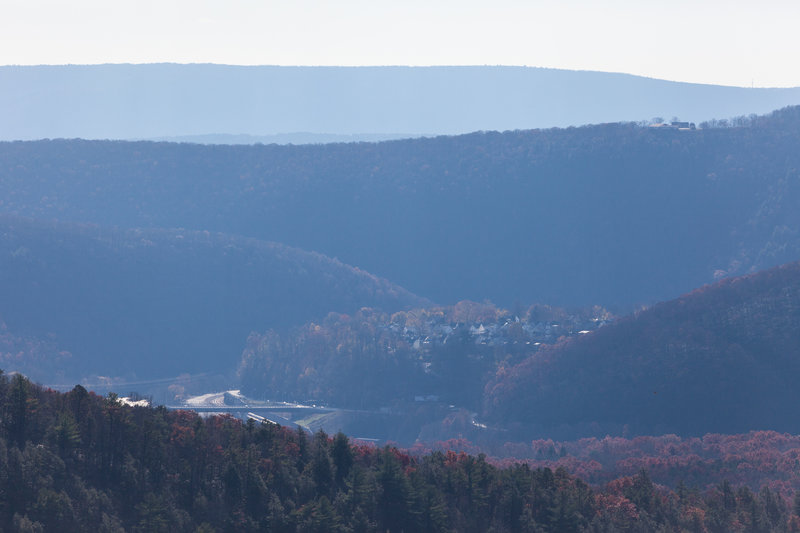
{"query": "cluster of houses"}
(436, 331)
(682, 126)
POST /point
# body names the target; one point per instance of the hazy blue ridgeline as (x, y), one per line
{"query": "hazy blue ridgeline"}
(168, 100)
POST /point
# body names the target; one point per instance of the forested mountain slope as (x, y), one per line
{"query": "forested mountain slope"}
(613, 214)
(81, 462)
(162, 302)
(724, 358)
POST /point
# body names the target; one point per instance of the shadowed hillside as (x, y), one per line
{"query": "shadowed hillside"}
(162, 302)
(724, 358)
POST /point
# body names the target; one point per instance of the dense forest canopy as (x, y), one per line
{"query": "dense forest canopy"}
(614, 214)
(81, 462)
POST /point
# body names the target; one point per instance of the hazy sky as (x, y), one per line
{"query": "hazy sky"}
(729, 42)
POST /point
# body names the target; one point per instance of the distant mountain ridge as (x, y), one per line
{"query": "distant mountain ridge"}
(724, 358)
(123, 101)
(285, 138)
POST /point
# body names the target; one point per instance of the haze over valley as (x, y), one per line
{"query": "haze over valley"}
(439, 299)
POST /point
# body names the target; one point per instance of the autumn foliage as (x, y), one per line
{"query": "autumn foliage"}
(78, 462)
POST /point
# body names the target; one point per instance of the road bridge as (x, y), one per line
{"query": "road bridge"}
(244, 409)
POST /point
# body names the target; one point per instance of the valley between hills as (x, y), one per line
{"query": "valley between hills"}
(570, 329)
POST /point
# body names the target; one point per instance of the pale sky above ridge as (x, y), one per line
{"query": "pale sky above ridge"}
(726, 42)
